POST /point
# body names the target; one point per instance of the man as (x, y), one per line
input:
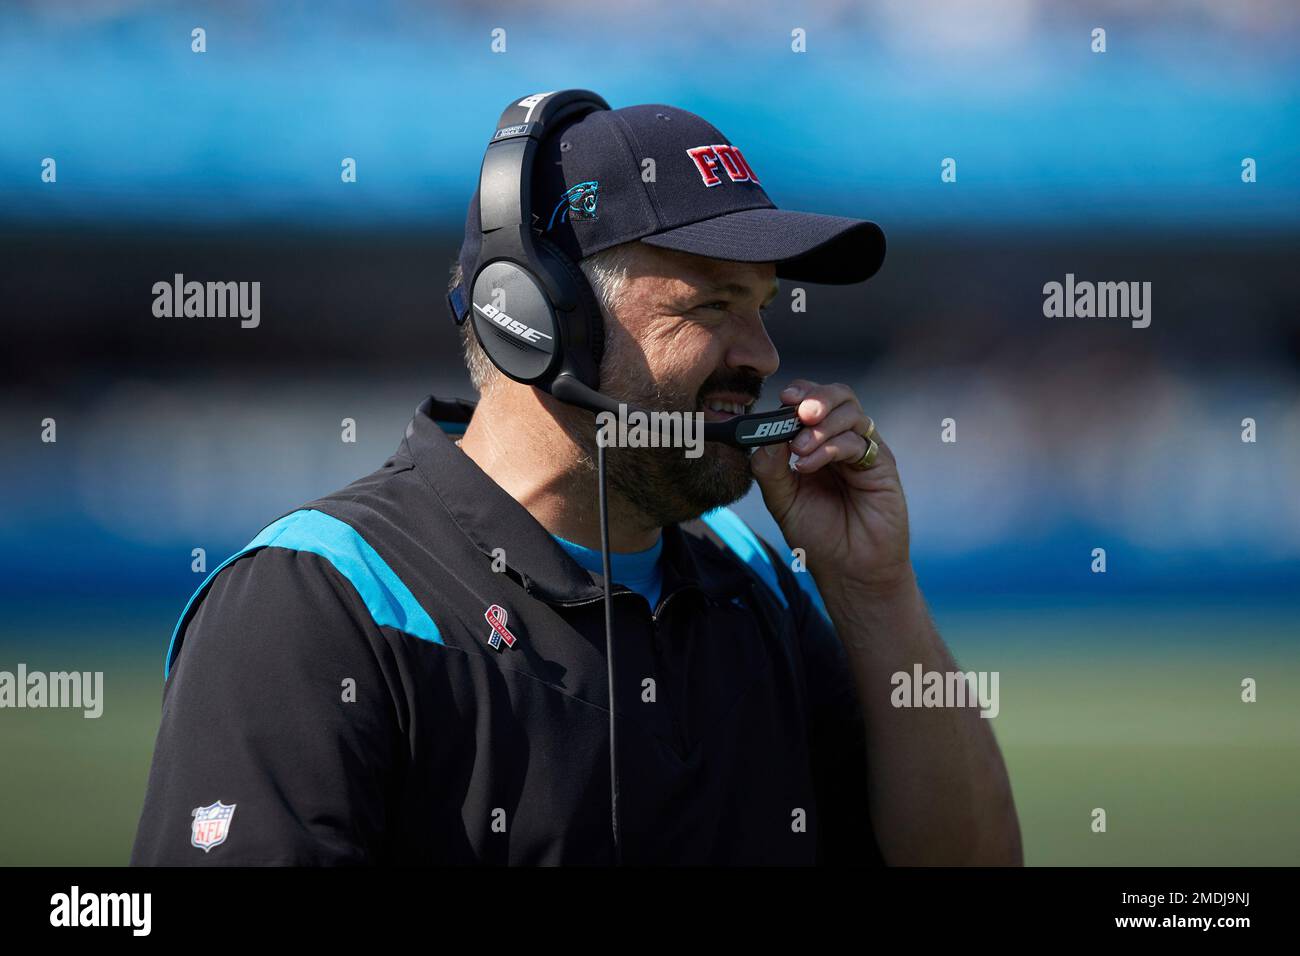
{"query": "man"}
(412, 670)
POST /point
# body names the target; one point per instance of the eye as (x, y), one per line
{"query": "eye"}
(723, 305)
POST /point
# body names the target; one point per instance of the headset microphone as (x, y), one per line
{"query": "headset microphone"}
(745, 431)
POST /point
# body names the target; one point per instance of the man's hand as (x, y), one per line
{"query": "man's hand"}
(852, 524)
(938, 790)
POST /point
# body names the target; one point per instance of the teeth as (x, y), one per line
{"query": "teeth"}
(731, 408)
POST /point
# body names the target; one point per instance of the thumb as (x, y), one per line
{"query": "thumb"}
(770, 464)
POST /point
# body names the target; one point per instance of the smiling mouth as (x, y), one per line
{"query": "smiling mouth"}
(721, 410)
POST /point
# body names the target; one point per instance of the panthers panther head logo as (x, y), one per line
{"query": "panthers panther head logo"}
(578, 203)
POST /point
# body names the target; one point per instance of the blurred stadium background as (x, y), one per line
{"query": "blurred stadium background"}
(1118, 690)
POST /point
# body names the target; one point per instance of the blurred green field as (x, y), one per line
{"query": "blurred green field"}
(1134, 710)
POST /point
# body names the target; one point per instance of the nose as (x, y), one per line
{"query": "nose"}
(752, 348)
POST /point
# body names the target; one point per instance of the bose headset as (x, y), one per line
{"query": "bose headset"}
(551, 333)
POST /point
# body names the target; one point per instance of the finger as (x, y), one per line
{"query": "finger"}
(770, 465)
(847, 417)
(820, 400)
(846, 447)
(796, 390)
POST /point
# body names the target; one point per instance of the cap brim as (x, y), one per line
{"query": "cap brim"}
(805, 246)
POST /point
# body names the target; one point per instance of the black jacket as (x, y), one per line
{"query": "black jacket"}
(334, 684)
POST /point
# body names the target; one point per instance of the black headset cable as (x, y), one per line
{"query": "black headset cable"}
(609, 652)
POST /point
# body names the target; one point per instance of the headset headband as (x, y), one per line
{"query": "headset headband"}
(506, 181)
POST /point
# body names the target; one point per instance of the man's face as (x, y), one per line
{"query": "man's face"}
(688, 335)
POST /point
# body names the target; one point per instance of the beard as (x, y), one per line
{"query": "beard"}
(662, 483)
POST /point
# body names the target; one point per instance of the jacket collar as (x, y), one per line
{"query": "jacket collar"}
(490, 518)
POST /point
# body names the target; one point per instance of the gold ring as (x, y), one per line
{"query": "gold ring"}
(868, 457)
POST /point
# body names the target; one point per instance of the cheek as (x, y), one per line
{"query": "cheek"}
(684, 355)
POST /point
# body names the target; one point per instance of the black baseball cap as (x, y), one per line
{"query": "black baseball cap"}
(670, 179)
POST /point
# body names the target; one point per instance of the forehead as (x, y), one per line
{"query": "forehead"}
(669, 273)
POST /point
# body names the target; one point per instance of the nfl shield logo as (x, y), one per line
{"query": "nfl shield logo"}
(211, 825)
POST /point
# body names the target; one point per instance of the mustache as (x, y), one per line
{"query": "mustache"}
(741, 383)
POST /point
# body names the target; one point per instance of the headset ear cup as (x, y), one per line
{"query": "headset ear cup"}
(593, 320)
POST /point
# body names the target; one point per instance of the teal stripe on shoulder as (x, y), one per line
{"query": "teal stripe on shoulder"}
(389, 601)
(809, 586)
(740, 539)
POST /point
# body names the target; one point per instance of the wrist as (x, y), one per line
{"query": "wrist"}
(896, 588)
(885, 617)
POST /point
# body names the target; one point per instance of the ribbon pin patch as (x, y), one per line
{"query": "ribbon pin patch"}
(497, 617)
